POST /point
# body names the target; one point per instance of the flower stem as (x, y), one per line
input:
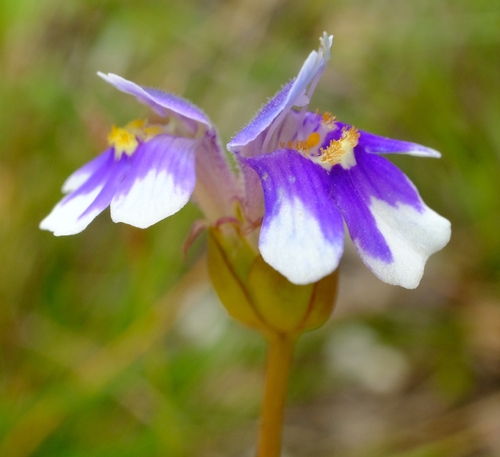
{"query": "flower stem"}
(279, 361)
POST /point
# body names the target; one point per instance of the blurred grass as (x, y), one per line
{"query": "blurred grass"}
(111, 344)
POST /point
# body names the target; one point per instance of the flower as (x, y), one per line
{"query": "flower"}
(149, 170)
(312, 172)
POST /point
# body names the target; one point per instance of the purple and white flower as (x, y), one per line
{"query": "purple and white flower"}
(312, 173)
(149, 171)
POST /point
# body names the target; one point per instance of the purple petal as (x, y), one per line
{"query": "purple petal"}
(292, 94)
(78, 209)
(302, 231)
(157, 99)
(375, 144)
(159, 182)
(262, 120)
(80, 176)
(391, 227)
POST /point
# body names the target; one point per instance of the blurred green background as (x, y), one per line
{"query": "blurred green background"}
(113, 345)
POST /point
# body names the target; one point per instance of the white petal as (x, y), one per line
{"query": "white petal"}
(75, 181)
(150, 199)
(160, 182)
(412, 237)
(295, 245)
(66, 217)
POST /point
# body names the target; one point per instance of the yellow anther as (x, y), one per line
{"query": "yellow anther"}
(328, 120)
(152, 130)
(341, 150)
(313, 140)
(136, 124)
(303, 146)
(123, 141)
(298, 145)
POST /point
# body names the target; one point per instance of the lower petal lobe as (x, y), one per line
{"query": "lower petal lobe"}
(302, 231)
(393, 230)
(80, 176)
(79, 208)
(159, 182)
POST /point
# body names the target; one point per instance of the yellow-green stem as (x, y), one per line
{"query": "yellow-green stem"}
(279, 361)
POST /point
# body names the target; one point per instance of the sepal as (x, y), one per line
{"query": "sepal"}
(290, 308)
(229, 261)
(257, 295)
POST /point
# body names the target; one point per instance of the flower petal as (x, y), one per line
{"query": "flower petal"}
(311, 71)
(375, 144)
(80, 176)
(159, 182)
(391, 227)
(262, 120)
(78, 209)
(302, 233)
(292, 94)
(157, 99)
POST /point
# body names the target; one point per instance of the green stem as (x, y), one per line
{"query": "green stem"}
(279, 362)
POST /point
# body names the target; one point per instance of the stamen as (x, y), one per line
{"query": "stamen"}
(298, 145)
(341, 151)
(126, 140)
(328, 120)
(123, 141)
(303, 146)
(313, 140)
(136, 124)
(152, 130)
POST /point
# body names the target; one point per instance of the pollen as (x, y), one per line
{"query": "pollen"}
(152, 130)
(298, 145)
(123, 141)
(328, 120)
(136, 124)
(341, 151)
(302, 146)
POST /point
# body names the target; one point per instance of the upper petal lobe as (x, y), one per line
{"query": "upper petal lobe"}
(292, 94)
(157, 99)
